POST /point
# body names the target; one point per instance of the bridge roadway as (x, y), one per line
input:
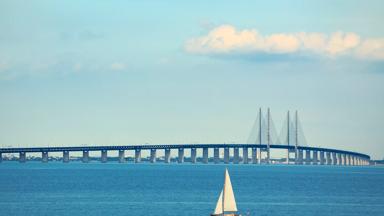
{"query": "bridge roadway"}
(313, 155)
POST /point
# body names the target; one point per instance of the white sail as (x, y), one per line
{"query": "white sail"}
(229, 197)
(219, 205)
(229, 202)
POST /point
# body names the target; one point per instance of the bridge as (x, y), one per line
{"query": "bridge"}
(257, 151)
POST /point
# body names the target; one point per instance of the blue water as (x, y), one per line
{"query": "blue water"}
(158, 189)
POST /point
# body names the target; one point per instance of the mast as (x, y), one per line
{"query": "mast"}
(296, 137)
(260, 126)
(288, 128)
(260, 116)
(296, 131)
(268, 127)
(268, 135)
(288, 136)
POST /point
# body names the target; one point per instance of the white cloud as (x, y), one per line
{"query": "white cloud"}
(227, 39)
(371, 49)
(118, 66)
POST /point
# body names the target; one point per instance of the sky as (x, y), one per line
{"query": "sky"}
(133, 72)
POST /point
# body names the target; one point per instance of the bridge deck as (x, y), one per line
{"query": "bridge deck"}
(173, 146)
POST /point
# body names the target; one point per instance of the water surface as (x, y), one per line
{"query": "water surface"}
(184, 189)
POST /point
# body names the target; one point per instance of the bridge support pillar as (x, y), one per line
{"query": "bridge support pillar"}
(137, 155)
(85, 156)
(254, 155)
(329, 161)
(287, 159)
(1, 157)
(300, 157)
(339, 160)
(205, 155)
(216, 155)
(259, 157)
(167, 155)
(344, 159)
(180, 158)
(268, 159)
(347, 161)
(121, 156)
(44, 157)
(236, 155)
(334, 158)
(289, 153)
(322, 159)
(245, 155)
(153, 156)
(104, 156)
(226, 155)
(65, 156)
(22, 157)
(307, 157)
(193, 155)
(353, 160)
(314, 158)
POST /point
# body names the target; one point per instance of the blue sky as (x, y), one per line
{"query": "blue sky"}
(119, 72)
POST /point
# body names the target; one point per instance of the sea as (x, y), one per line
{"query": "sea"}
(114, 189)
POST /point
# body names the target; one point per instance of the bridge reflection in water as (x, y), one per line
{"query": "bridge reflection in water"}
(262, 139)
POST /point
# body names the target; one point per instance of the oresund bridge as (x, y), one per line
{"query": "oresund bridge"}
(258, 149)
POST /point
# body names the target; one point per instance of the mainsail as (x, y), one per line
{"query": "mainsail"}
(227, 198)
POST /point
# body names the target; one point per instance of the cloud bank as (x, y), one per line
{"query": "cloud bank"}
(226, 39)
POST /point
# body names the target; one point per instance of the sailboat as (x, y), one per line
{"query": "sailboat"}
(226, 205)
